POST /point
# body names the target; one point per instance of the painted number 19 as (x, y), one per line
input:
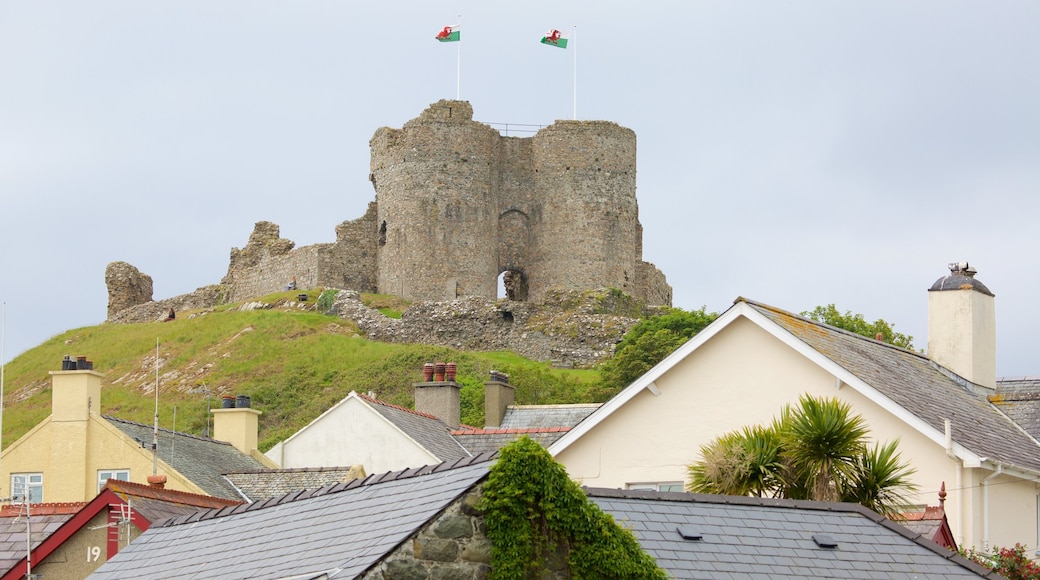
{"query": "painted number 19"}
(93, 553)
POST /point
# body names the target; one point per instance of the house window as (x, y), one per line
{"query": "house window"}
(27, 485)
(658, 486)
(104, 475)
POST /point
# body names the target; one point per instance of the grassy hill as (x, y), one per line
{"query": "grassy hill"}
(292, 360)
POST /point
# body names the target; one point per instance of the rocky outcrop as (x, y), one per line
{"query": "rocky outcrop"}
(576, 329)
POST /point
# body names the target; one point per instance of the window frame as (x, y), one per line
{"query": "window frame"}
(115, 473)
(28, 486)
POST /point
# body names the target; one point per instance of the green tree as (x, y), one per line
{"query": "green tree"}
(856, 323)
(815, 450)
(647, 344)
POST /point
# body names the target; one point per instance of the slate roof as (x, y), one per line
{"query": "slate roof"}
(745, 537)
(919, 385)
(156, 504)
(1019, 399)
(537, 416)
(427, 430)
(44, 520)
(340, 530)
(488, 440)
(200, 459)
(261, 485)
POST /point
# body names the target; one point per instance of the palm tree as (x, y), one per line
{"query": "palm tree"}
(816, 450)
(746, 462)
(822, 441)
(879, 481)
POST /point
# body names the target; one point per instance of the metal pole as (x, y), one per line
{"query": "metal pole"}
(155, 431)
(458, 63)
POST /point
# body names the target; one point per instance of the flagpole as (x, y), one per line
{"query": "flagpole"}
(458, 64)
(574, 39)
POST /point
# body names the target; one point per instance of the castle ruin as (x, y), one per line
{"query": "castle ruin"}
(457, 204)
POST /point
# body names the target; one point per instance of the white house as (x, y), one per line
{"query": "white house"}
(750, 362)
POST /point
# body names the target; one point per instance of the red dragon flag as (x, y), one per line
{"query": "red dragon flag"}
(555, 38)
(449, 34)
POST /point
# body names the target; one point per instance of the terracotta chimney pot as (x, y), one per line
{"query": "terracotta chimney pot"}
(157, 481)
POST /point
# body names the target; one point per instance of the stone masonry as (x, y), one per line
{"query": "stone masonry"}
(454, 546)
(127, 286)
(457, 204)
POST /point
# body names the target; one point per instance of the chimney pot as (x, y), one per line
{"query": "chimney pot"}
(158, 481)
(879, 336)
(449, 371)
(438, 372)
(428, 372)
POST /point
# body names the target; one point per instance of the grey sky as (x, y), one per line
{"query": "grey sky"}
(796, 153)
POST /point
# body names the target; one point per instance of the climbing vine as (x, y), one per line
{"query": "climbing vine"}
(538, 519)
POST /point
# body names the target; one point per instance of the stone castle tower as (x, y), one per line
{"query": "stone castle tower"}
(458, 204)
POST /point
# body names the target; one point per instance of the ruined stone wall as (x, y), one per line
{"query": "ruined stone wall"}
(587, 234)
(268, 262)
(434, 182)
(568, 330)
(351, 261)
(459, 204)
(127, 287)
(653, 286)
(456, 205)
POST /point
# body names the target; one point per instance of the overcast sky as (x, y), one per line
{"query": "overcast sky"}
(795, 153)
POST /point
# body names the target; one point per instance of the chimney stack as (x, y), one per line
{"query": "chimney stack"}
(498, 395)
(75, 390)
(237, 425)
(962, 329)
(440, 397)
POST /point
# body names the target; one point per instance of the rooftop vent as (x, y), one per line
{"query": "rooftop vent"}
(690, 533)
(825, 541)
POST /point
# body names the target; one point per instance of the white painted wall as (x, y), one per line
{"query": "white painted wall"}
(744, 376)
(351, 433)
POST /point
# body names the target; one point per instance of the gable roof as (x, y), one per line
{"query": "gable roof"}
(488, 440)
(200, 459)
(157, 504)
(261, 485)
(747, 537)
(920, 392)
(538, 416)
(1019, 399)
(362, 519)
(45, 519)
(425, 429)
(149, 504)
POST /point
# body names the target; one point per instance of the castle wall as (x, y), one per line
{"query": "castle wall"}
(458, 204)
(434, 182)
(351, 262)
(588, 226)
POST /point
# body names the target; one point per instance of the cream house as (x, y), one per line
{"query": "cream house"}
(744, 367)
(70, 455)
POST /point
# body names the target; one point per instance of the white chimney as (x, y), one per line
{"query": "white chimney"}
(962, 329)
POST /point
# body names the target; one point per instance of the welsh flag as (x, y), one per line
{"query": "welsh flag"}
(555, 38)
(449, 34)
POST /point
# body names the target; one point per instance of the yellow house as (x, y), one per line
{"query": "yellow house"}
(70, 455)
(754, 359)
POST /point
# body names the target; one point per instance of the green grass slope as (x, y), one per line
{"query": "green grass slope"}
(294, 362)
